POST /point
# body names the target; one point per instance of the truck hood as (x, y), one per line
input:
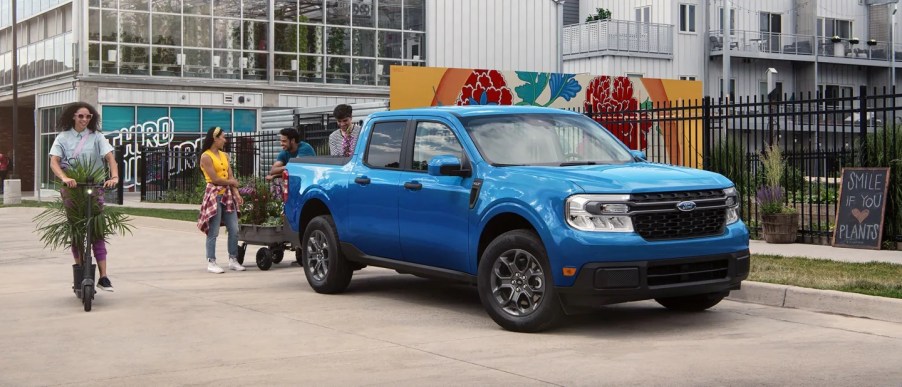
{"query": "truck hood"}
(629, 178)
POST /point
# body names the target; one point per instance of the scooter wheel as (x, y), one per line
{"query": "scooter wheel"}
(87, 295)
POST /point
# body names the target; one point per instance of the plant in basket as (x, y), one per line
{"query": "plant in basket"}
(779, 221)
(261, 206)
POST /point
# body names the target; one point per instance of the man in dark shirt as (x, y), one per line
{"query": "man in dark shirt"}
(4, 169)
(292, 146)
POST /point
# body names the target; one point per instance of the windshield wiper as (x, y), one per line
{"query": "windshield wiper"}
(507, 165)
(572, 163)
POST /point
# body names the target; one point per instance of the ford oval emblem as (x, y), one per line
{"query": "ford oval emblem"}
(686, 206)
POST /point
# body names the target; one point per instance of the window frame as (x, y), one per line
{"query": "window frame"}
(688, 25)
(414, 124)
(402, 162)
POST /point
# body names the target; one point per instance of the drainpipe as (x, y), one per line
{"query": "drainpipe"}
(559, 5)
(725, 31)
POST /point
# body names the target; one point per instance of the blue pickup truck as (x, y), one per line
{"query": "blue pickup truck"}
(542, 209)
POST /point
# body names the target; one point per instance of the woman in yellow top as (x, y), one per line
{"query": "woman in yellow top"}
(221, 199)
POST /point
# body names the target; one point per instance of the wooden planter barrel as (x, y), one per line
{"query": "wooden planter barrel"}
(780, 228)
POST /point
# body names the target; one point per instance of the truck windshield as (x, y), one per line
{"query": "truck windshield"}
(545, 139)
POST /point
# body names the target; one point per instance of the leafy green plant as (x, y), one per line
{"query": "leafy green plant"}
(64, 223)
(261, 205)
(884, 149)
(727, 158)
(600, 14)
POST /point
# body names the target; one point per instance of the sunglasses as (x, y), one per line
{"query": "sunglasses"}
(84, 116)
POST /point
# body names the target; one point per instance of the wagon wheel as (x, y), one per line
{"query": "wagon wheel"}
(264, 258)
(278, 252)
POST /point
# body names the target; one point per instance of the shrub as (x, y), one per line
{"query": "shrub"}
(261, 205)
(771, 195)
(884, 149)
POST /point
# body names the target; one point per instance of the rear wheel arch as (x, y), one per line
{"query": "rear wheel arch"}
(312, 209)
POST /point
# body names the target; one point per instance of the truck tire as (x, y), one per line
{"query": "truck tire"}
(693, 303)
(515, 284)
(325, 266)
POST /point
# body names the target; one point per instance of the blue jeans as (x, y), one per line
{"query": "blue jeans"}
(231, 223)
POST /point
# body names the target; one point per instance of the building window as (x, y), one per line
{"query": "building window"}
(634, 75)
(732, 95)
(643, 14)
(687, 77)
(719, 21)
(687, 18)
(834, 27)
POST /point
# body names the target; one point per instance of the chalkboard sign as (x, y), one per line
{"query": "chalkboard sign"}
(862, 203)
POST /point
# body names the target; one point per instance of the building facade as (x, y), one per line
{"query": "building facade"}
(827, 46)
(181, 66)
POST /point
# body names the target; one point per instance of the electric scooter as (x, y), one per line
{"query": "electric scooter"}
(83, 275)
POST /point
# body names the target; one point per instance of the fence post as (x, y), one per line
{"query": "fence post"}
(120, 161)
(863, 124)
(142, 169)
(707, 138)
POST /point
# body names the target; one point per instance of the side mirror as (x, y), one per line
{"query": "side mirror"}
(447, 165)
(637, 154)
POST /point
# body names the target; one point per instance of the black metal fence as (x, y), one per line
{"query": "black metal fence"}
(818, 137)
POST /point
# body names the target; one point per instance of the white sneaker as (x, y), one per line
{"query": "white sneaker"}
(212, 267)
(234, 265)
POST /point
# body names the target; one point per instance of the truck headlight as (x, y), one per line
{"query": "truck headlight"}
(732, 203)
(599, 213)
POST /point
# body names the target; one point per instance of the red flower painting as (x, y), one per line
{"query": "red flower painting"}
(485, 87)
(613, 105)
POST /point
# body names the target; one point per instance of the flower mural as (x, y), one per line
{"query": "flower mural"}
(485, 87)
(606, 94)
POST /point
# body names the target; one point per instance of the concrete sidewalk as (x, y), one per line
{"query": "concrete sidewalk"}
(851, 304)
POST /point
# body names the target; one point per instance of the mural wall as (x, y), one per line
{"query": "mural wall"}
(623, 105)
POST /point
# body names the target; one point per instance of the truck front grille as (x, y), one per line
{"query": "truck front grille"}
(656, 217)
(680, 273)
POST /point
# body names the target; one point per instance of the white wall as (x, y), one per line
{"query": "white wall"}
(495, 34)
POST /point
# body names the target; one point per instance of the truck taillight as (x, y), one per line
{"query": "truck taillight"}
(284, 186)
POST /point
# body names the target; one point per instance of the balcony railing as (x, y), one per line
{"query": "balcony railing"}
(756, 42)
(610, 37)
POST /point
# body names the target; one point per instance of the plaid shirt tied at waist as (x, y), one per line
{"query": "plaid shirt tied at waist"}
(208, 205)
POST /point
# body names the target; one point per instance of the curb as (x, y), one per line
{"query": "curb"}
(824, 301)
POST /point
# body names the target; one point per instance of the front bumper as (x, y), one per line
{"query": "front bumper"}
(604, 283)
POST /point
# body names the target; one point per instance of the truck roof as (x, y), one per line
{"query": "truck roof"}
(469, 111)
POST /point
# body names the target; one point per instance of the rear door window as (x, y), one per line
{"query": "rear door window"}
(384, 148)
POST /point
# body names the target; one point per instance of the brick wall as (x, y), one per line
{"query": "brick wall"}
(24, 145)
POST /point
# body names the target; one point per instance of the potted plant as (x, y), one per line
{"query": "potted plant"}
(779, 222)
(854, 40)
(836, 39)
(872, 42)
(63, 224)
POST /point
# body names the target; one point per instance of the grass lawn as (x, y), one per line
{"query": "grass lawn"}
(875, 279)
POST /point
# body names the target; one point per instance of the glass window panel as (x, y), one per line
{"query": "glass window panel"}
(59, 53)
(107, 52)
(171, 6)
(226, 34)
(282, 68)
(413, 46)
(116, 117)
(433, 139)
(91, 3)
(310, 39)
(338, 12)
(362, 13)
(135, 60)
(414, 14)
(286, 37)
(94, 57)
(390, 44)
(338, 70)
(390, 14)
(197, 31)
(227, 8)
(151, 113)
(38, 59)
(164, 62)
(364, 42)
(364, 72)
(217, 117)
(256, 9)
(108, 24)
(255, 36)
(197, 63)
(310, 11)
(225, 64)
(285, 10)
(197, 7)
(256, 66)
(337, 41)
(245, 120)
(384, 149)
(310, 68)
(135, 27)
(108, 3)
(68, 64)
(383, 71)
(185, 119)
(167, 30)
(134, 5)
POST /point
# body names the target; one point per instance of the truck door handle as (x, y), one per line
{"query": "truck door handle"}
(362, 180)
(413, 185)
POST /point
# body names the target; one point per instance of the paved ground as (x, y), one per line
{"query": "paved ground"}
(171, 323)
